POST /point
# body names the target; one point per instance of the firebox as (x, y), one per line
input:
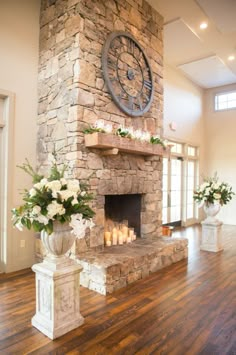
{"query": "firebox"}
(124, 207)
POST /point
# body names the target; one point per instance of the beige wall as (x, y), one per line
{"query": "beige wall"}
(191, 108)
(221, 147)
(19, 31)
(183, 104)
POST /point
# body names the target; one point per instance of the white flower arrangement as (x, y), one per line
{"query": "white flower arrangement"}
(100, 124)
(126, 132)
(212, 191)
(53, 199)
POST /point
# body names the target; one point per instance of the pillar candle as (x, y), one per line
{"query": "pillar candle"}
(114, 238)
(108, 243)
(125, 233)
(120, 237)
(125, 230)
(131, 233)
(128, 239)
(107, 236)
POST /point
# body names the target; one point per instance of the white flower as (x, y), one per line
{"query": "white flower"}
(65, 194)
(19, 226)
(36, 210)
(216, 185)
(80, 225)
(32, 192)
(73, 185)
(99, 124)
(74, 201)
(43, 181)
(42, 219)
(203, 186)
(138, 134)
(108, 128)
(217, 196)
(41, 184)
(54, 194)
(55, 208)
(145, 136)
(54, 185)
(63, 181)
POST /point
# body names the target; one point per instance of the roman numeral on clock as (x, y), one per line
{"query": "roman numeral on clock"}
(148, 84)
(131, 47)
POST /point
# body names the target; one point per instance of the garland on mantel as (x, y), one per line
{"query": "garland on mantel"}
(125, 132)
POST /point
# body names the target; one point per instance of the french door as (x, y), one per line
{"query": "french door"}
(180, 178)
(172, 190)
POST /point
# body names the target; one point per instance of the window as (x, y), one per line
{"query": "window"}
(225, 101)
(192, 151)
(176, 147)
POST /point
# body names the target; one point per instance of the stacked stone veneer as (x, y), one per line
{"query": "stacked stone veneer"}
(108, 271)
(72, 94)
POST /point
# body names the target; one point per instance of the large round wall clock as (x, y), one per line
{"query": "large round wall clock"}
(127, 73)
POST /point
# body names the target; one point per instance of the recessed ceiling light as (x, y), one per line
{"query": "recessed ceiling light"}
(231, 57)
(203, 25)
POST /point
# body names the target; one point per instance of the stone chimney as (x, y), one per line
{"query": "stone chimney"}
(72, 94)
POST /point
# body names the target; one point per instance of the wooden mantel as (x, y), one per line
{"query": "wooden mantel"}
(112, 144)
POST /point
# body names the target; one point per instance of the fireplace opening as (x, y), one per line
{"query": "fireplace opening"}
(124, 207)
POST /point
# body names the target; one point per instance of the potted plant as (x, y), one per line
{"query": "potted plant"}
(55, 206)
(212, 194)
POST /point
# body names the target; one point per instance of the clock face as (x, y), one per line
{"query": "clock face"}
(127, 73)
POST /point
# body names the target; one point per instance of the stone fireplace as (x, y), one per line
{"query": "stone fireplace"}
(73, 95)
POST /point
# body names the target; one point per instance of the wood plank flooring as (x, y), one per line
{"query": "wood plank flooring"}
(187, 308)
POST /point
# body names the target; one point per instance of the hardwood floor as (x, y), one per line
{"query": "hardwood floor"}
(187, 308)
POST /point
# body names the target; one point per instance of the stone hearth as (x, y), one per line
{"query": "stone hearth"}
(119, 266)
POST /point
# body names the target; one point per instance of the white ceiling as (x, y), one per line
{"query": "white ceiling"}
(202, 55)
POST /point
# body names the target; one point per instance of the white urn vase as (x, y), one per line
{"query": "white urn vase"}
(211, 210)
(58, 243)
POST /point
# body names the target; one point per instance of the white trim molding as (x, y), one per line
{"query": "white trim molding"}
(6, 175)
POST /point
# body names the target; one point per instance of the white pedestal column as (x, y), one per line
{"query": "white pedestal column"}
(57, 297)
(211, 236)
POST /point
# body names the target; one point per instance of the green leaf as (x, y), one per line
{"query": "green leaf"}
(91, 130)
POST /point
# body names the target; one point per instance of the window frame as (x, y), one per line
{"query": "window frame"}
(219, 93)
